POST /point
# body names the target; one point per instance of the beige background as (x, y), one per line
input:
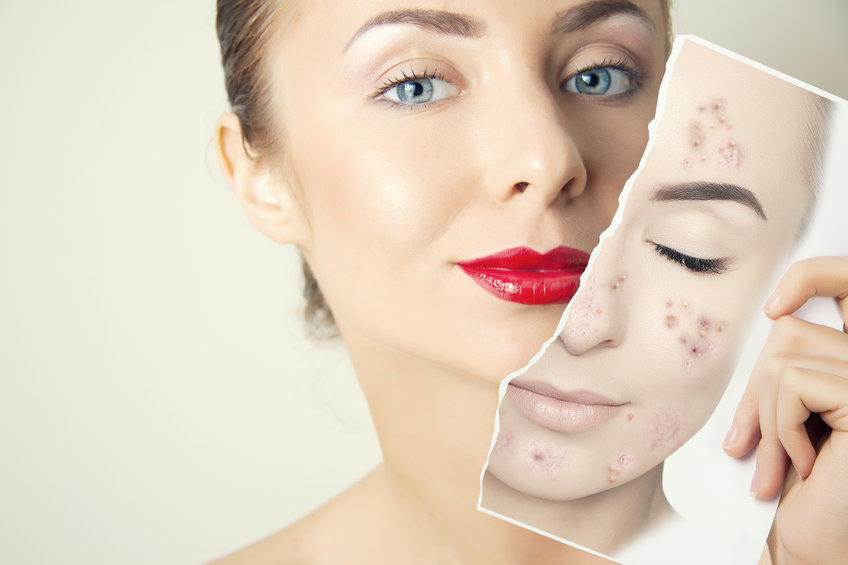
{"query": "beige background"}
(158, 401)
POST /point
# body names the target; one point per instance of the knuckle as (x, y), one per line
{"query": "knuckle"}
(787, 334)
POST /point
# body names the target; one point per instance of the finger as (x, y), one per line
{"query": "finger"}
(792, 413)
(806, 391)
(819, 276)
(771, 457)
(791, 335)
(744, 432)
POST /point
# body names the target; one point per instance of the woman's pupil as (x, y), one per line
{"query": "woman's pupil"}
(413, 89)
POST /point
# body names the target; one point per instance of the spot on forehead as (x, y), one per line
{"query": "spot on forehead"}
(730, 156)
(670, 321)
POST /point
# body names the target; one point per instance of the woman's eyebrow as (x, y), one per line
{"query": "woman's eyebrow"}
(711, 191)
(436, 21)
(584, 15)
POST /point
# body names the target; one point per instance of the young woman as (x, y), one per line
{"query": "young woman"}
(412, 150)
(720, 200)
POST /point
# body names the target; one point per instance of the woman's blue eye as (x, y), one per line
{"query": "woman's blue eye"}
(417, 91)
(601, 81)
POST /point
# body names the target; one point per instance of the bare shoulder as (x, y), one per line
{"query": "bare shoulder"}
(342, 527)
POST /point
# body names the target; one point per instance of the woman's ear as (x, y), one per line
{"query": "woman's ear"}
(268, 203)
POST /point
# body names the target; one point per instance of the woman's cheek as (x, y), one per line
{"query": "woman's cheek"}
(697, 336)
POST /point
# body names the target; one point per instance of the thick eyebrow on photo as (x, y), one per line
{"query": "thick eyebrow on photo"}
(453, 24)
(711, 191)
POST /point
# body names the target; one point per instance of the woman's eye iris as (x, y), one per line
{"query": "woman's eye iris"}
(419, 91)
(601, 81)
(415, 91)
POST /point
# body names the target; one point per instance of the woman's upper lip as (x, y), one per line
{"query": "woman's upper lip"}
(526, 259)
(587, 397)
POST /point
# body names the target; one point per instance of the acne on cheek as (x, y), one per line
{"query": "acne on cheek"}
(709, 137)
(504, 440)
(621, 464)
(664, 431)
(700, 335)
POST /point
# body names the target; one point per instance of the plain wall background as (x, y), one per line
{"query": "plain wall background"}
(158, 401)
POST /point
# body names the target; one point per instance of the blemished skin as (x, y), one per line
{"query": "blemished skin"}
(384, 197)
(674, 287)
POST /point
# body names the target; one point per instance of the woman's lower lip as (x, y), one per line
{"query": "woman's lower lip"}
(563, 416)
(525, 276)
(527, 287)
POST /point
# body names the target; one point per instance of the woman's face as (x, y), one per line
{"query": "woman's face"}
(650, 340)
(423, 135)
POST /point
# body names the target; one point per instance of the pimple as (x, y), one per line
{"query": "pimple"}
(504, 440)
(730, 156)
(669, 303)
(670, 321)
(618, 282)
(663, 431)
(630, 416)
(684, 339)
(621, 464)
(542, 458)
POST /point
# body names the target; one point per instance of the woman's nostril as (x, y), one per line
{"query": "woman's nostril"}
(521, 186)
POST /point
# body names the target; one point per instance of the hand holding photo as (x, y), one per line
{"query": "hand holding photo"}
(646, 349)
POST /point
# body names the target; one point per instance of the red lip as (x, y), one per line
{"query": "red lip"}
(525, 276)
(561, 412)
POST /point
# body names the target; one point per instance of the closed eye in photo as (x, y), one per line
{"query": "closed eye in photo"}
(714, 266)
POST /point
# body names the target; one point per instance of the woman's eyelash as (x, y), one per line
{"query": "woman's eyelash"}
(621, 64)
(392, 82)
(694, 264)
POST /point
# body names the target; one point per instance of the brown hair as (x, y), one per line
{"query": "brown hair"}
(245, 31)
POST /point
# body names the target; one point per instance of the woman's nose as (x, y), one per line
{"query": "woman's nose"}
(535, 155)
(597, 315)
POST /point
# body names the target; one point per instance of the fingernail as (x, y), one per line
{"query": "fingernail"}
(755, 483)
(772, 303)
(730, 438)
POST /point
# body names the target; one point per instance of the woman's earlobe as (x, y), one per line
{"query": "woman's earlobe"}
(269, 205)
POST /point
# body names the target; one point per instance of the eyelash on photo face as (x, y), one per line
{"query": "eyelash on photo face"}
(694, 264)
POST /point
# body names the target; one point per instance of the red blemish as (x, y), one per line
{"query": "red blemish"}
(664, 430)
(684, 339)
(669, 304)
(670, 321)
(630, 417)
